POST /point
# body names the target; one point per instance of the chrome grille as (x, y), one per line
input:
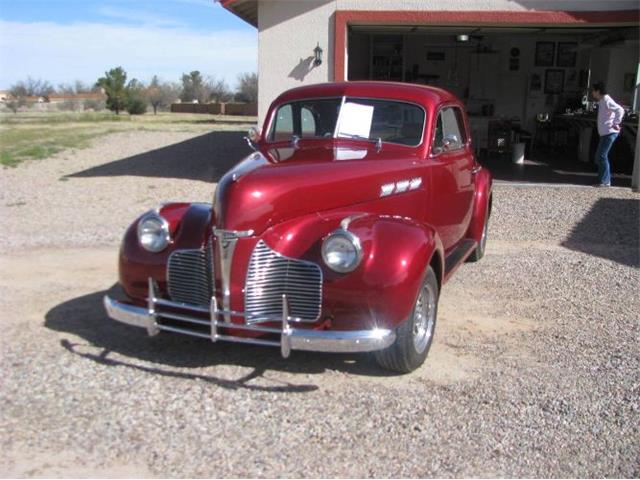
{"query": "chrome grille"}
(272, 275)
(189, 276)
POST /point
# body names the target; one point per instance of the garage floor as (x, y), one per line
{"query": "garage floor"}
(548, 168)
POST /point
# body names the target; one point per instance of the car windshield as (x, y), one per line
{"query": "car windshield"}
(357, 118)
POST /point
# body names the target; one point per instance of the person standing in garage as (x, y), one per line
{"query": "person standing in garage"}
(609, 123)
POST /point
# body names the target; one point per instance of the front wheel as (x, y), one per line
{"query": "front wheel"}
(414, 337)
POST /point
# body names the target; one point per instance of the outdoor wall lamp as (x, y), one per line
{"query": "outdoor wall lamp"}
(317, 55)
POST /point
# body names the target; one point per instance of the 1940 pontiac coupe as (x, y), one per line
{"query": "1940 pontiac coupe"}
(335, 235)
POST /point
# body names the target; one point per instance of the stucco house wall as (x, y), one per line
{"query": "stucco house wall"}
(289, 30)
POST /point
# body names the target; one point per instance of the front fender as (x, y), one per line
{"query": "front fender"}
(382, 290)
(188, 224)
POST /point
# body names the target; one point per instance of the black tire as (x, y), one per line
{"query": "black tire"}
(412, 344)
(478, 253)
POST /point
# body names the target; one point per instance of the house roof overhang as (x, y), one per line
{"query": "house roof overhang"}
(247, 10)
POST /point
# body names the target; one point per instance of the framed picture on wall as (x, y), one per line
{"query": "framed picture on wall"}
(571, 80)
(553, 81)
(545, 52)
(535, 84)
(567, 54)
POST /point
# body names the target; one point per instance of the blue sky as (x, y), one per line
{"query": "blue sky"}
(66, 40)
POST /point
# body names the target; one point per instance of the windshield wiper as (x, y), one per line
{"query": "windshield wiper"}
(377, 141)
(353, 136)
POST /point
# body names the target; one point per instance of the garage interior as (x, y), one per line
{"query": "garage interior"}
(524, 88)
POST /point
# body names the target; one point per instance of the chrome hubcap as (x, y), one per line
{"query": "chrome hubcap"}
(424, 316)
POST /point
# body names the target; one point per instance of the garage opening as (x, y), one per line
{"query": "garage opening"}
(525, 89)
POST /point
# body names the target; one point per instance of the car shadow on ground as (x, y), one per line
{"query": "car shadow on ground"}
(609, 230)
(84, 317)
(205, 158)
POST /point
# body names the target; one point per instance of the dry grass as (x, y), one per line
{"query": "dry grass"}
(36, 136)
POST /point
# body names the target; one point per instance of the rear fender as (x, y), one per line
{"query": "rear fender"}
(481, 204)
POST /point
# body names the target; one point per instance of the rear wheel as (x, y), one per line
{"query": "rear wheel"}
(414, 337)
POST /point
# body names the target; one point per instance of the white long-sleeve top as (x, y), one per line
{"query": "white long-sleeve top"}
(609, 116)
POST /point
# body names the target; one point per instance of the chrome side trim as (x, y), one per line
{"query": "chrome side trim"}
(401, 186)
(344, 224)
(232, 234)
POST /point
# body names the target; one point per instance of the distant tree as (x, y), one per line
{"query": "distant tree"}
(218, 90)
(33, 88)
(247, 88)
(16, 99)
(136, 101)
(193, 87)
(114, 85)
(160, 94)
(75, 88)
(20, 92)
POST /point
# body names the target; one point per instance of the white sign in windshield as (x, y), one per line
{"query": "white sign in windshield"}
(355, 120)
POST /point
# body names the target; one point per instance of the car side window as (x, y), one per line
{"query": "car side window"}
(283, 124)
(308, 123)
(450, 134)
(461, 126)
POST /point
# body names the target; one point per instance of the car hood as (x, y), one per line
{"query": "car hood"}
(278, 184)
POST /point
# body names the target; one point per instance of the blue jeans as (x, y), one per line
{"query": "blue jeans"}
(602, 157)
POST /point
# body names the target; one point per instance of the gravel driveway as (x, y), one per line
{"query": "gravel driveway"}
(534, 370)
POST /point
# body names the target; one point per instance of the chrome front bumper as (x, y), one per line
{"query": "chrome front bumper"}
(290, 338)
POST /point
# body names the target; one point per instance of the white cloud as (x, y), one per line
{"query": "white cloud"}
(134, 16)
(62, 53)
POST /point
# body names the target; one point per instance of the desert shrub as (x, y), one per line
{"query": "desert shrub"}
(95, 105)
(136, 106)
(67, 106)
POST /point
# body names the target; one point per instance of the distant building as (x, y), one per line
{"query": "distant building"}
(77, 97)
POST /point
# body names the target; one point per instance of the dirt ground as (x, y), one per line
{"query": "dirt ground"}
(534, 369)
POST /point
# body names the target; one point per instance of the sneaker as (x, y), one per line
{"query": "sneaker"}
(602, 185)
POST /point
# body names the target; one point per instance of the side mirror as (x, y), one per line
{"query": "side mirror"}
(253, 137)
(254, 134)
(435, 151)
(449, 142)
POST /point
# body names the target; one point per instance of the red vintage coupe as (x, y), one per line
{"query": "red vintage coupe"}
(336, 235)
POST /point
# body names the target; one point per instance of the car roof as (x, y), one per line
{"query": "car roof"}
(421, 94)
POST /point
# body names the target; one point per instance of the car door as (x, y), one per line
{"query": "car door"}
(451, 176)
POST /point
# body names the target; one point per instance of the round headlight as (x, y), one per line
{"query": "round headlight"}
(341, 251)
(153, 232)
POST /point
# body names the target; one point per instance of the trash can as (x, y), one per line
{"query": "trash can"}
(518, 153)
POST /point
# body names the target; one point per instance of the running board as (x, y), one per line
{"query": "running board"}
(457, 256)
